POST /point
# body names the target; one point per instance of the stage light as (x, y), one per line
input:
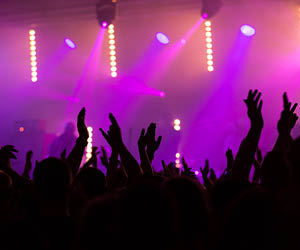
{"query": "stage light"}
(70, 43)
(210, 8)
(21, 129)
(183, 41)
(248, 30)
(112, 52)
(196, 172)
(177, 161)
(106, 12)
(177, 123)
(208, 40)
(177, 155)
(162, 94)
(104, 24)
(210, 68)
(162, 38)
(33, 58)
(89, 147)
(209, 45)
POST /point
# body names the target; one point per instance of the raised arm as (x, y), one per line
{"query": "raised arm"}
(28, 165)
(152, 143)
(114, 139)
(245, 156)
(145, 162)
(285, 125)
(75, 157)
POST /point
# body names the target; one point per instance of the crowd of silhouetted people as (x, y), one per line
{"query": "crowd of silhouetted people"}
(71, 204)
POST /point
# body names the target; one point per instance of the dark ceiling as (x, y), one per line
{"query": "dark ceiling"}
(41, 11)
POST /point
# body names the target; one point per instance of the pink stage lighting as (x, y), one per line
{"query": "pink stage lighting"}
(112, 51)
(162, 38)
(177, 123)
(89, 147)
(209, 46)
(162, 94)
(248, 30)
(104, 24)
(70, 43)
(33, 57)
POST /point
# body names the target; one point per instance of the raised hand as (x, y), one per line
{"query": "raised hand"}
(81, 127)
(206, 180)
(186, 170)
(7, 153)
(75, 157)
(170, 169)
(285, 125)
(152, 143)
(246, 153)
(142, 142)
(114, 139)
(204, 171)
(113, 135)
(212, 175)
(104, 158)
(28, 164)
(254, 106)
(230, 159)
(288, 117)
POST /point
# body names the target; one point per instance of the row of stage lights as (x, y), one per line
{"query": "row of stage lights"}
(33, 55)
(246, 30)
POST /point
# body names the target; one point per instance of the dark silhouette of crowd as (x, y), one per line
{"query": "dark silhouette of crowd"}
(69, 206)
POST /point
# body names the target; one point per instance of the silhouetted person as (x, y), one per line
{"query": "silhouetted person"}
(64, 142)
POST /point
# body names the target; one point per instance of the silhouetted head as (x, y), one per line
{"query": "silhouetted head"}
(147, 217)
(275, 172)
(69, 128)
(100, 224)
(92, 181)
(193, 208)
(255, 221)
(224, 192)
(52, 178)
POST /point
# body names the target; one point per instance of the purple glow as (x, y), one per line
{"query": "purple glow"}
(70, 43)
(162, 94)
(104, 24)
(162, 38)
(205, 15)
(248, 30)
